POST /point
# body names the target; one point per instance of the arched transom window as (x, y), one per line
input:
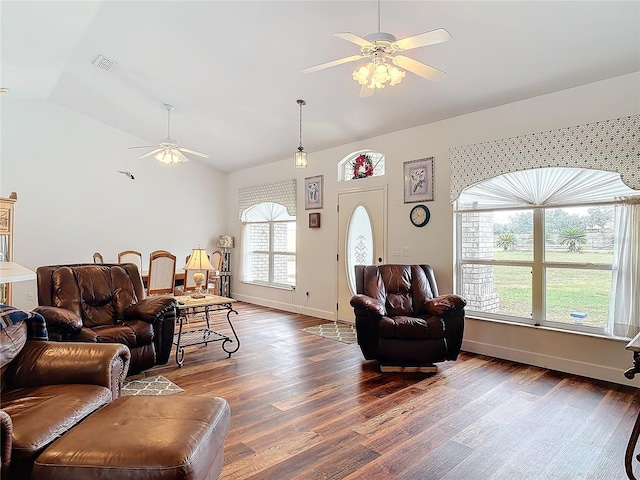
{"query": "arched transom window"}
(361, 164)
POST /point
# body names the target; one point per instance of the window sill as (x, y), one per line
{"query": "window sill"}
(549, 329)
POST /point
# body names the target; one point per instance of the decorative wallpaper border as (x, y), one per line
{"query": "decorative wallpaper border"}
(611, 145)
(283, 192)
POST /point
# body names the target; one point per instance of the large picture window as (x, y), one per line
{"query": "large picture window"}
(537, 246)
(269, 245)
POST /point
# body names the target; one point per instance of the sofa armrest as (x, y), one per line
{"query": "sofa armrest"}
(60, 320)
(150, 309)
(161, 312)
(370, 304)
(52, 363)
(6, 436)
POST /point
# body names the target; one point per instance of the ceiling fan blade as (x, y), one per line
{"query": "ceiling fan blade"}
(315, 68)
(423, 39)
(193, 152)
(350, 37)
(153, 152)
(180, 155)
(365, 91)
(426, 71)
(144, 146)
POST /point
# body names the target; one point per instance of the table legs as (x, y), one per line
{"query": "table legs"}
(631, 446)
(203, 336)
(635, 433)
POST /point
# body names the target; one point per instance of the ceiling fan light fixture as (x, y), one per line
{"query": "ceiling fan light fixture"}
(168, 156)
(167, 151)
(300, 156)
(377, 74)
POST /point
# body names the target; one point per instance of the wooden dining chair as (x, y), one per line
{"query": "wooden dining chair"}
(97, 258)
(216, 261)
(162, 273)
(131, 256)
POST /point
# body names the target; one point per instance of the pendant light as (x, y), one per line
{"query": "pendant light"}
(300, 157)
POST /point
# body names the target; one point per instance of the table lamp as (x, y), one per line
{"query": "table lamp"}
(198, 261)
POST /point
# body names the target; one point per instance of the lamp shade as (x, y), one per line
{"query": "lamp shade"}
(198, 260)
(225, 241)
(11, 272)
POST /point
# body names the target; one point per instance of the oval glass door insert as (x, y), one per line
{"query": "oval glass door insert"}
(359, 243)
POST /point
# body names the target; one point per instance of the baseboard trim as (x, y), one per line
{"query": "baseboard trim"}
(287, 307)
(566, 365)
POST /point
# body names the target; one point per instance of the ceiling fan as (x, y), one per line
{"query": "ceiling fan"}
(167, 150)
(381, 47)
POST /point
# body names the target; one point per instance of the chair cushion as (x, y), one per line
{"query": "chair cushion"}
(414, 328)
(403, 289)
(99, 294)
(132, 333)
(42, 414)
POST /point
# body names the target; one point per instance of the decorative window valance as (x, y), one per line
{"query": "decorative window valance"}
(549, 186)
(283, 192)
(611, 145)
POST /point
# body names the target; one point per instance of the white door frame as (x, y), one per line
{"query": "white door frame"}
(383, 189)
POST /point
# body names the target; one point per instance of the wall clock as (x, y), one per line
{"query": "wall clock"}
(420, 215)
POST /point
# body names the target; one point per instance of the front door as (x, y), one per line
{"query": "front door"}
(362, 232)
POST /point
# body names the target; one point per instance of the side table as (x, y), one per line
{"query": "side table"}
(634, 346)
(203, 336)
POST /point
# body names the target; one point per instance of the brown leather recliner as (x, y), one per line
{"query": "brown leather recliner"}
(47, 388)
(105, 303)
(401, 321)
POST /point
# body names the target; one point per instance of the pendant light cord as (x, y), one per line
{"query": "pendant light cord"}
(301, 103)
(378, 16)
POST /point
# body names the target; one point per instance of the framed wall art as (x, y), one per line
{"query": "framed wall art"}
(418, 180)
(314, 220)
(313, 192)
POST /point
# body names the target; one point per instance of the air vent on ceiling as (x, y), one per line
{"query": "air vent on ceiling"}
(104, 63)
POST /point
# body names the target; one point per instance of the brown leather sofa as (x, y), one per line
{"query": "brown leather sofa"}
(47, 388)
(105, 303)
(400, 318)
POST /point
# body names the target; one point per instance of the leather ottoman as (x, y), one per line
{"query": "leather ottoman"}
(142, 437)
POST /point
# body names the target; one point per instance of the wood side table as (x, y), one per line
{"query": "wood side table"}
(203, 336)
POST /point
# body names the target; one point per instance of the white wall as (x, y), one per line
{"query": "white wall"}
(433, 244)
(72, 201)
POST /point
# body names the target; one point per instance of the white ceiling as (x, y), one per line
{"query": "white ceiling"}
(233, 69)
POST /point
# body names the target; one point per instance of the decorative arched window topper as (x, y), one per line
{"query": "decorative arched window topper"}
(361, 164)
(552, 186)
(283, 192)
(611, 145)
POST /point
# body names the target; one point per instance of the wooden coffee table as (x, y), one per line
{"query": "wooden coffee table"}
(203, 336)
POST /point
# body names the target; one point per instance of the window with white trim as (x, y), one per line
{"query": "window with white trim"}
(537, 246)
(361, 164)
(269, 245)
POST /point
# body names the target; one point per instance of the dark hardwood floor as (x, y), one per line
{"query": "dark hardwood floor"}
(305, 407)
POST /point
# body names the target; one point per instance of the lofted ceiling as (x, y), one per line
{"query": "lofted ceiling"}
(233, 69)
